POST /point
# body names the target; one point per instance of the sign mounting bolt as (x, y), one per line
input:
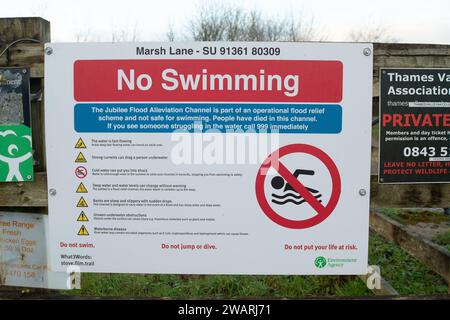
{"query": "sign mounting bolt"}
(367, 52)
(52, 192)
(48, 50)
(362, 192)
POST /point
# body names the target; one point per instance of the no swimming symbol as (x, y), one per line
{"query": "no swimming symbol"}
(309, 195)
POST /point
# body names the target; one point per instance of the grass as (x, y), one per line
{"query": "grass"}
(402, 271)
(405, 273)
(413, 217)
(443, 239)
(217, 286)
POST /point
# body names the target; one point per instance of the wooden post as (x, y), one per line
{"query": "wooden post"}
(22, 43)
(30, 54)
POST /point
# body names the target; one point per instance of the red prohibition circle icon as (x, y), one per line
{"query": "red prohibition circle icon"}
(81, 172)
(274, 161)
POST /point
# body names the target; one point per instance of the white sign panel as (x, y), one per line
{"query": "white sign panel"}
(209, 158)
(23, 253)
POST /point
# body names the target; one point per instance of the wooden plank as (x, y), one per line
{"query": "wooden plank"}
(408, 195)
(413, 51)
(410, 49)
(29, 55)
(24, 53)
(375, 94)
(374, 159)
(423, 250)
(16, 28)
(411, 61)
(25, 194)
(38, 133)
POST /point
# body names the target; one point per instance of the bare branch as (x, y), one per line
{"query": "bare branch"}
(218, 23)
(372, 33)
(86, 35)
(170, 34)
(125, 34)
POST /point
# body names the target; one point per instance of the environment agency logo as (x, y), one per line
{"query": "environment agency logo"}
(320, 262)
(16, 161)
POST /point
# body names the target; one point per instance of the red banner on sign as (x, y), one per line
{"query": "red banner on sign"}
(208, 80)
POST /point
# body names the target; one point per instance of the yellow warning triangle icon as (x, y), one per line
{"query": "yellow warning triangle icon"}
(80, 158)
(82, 203)
(82, 217)
(81, 188)
(83, 231)
(80, 144)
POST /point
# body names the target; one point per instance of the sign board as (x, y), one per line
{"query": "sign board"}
(23, 253)
(209, 158)
(414, 126)
(16, 160)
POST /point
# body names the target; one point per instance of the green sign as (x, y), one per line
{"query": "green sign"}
(16, 160)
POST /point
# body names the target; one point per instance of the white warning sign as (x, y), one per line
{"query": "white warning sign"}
(225, 158)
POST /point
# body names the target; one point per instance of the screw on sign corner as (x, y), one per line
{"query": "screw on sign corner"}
(48, 51)
(367, 52)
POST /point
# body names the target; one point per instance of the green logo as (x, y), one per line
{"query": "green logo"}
(16, 161)
(320, 262)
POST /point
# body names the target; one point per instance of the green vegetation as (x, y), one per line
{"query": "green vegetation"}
(443, 239)
(408, 217)
(402, 271)
(391, 213)
(219, 286)
(405, 274)
(413, 217)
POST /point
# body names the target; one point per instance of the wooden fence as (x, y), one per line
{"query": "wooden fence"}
(28, 35)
